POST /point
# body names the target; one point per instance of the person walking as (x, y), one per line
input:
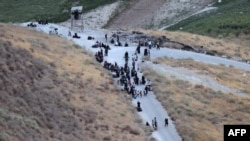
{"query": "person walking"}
(166, 121)
(69, 33)
(106, 37)
(153, 123)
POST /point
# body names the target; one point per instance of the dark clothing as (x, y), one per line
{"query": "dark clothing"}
(138, 104)
(166, 122)
(139, 109)
(138, 49)
(106, 37)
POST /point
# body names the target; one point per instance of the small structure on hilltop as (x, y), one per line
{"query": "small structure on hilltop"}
(77, 17)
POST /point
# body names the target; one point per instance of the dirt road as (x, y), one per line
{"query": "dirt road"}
(140, 15)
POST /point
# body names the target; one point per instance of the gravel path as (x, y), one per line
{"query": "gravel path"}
(140, 15)
(190, 76)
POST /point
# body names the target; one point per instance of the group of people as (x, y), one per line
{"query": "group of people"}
(31, 24)
(150, 43)
(146, 50)
(115, 39)
(42, 22)
(128, 77)
(101, 45)
(76, 36)
(99, 55)
(155, 124)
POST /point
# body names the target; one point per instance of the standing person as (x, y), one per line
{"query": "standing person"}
(157, 45)
(139, 109)
(140, 92)
(149, 44)
(138, 49)
(143, 80)
(138, 104)
(145, 52)
(106, 37)
(117, 38)
(155, 123)
(106, 51)
(166, 121)
(69, 33)
(101, 52)
(133, 64)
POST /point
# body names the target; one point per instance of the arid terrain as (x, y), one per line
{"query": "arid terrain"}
(137, 14)
(51, 89)
(155, 13)
(199, 111)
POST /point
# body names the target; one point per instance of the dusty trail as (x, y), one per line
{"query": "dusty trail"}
(140, 15)
(188, 75)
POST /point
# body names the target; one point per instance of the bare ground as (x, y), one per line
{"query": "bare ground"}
(138, 15)
(156, 13)
(46, 92)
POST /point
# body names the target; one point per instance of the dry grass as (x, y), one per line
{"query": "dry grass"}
(199, 112)
(228, 76)
(62, 94)
(234, 48)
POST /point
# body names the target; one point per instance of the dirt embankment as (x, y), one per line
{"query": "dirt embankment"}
(156, 13)
(138, 15)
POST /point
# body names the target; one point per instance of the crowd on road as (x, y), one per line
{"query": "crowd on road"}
(128, 75)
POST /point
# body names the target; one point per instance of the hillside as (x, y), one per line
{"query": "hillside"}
(199, 111)
(52, 89)
(230, 19)
(51, 10)
(153, 14)
(233, 48)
